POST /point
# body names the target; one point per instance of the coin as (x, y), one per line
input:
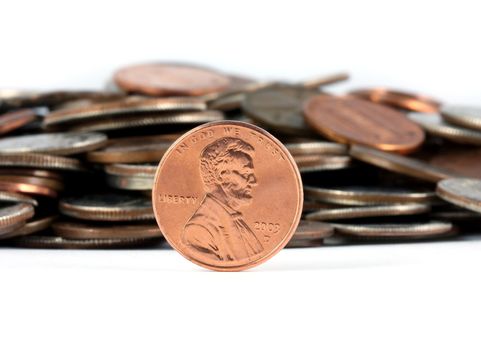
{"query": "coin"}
(32, 172)
(77, 230)
(40, 161)
(11, 197)
(157, 79)
(14, 120)
(316, 83)
(53, 184)
(25, 187)
(399, 164)
(463, 192)
(399, 99)
(108, 207)
(279, 107)
(354, 121)
(13, 215)
(463, 161)
(54, 144)
(227, 196)
(137, 183)
(316, 147)
(31, 227)
(435, 125)
(310, 234)
(147, 170)
(351, 195)
(311, 162)
(464, 116)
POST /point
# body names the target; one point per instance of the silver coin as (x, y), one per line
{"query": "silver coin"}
(16, 198)
(40, 161)
(142, 170)
(463, 192)
(316, 147)
(14, 214)
(31, 227)
(309, 230)
(136, 183)
(465, 116)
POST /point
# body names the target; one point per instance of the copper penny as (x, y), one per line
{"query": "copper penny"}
(32, 172)
(463, 161)
(27, 188)
(227, 196)
(14, 120)
(157, 79)
(77, 230)
(355, 121)
(55, 185)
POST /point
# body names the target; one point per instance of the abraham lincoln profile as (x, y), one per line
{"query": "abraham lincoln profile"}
(217, 229)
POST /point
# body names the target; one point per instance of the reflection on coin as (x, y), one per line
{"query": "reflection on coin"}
(31, 227)
(13, 215)
(14, 120)
(355, 121)
(316, 147)
(77, 230)
(215, 201)
(368, 211)
(25, 187)
(56, 144)
(399, 164)
(434, 124)
(464, 116)
(463, 192)
(158, 79)
(40, 161)
(10, 197)
(108, 207)
(368, 195)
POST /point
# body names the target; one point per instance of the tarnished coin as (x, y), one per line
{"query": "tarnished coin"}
(13, 215)
(398, 231)
(316, 147)
(463, 192)
(77, 230)
(11, 197)
(399, 164)
(279, 107)
(399, 99)
(463, 161)
(368, 211)
(157, 79)
(54, 144)
(464, 116)
(14, 120)
(40, 161)
(108, 207)
(435, 125)
(227, 196)
(354, 121)
(368, 195)
(31, 227)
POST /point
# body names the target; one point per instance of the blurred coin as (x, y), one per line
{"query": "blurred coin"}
(54, 144)
(319, 82)
(55, 185)
(463, 192)
(464, 116)
(355, 121)
(24, 187)
(399, 99)
(316, 147)
(157, 79)
(399, 164)
(463, 161)
(32, 172)
(16, 119)
(108, 207)
(368, 195)
(308, 230)
(77, 230)
(13, 215)
(136, 183)
(31, 227)
(11, 197)
(368, 211)
(146, 170)
(40, 161)
(435, 125)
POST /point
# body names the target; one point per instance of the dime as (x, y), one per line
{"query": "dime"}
(316, 83)
(14, 120)
(77, 230)
(399, 99)
(399, 164)
(146, 170)
(137, 183)
(31, 227)
(354, 121)
(157, 79)
(227, 196)
(55, 144)
(464, 116)
(434, 124)
(11, 197)
(368, 195)
(463, 192)
(108, 207)
(40, 161)
(11, 216)
(316, 147)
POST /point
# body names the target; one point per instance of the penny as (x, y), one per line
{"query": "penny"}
(407, 231)
(368, 195)
(368, 211)
(31, 227)
(157, 79)
(399, 99)
(463, 192)
(11, 197)
(77, 230)
(108, 207)
(355, 121)
(54, 144)
(16, 119)
(13, 215)
(25, 187)
(400, 164)
(216, 201)
(279, 107)
(463, 161)
(464, 116)
(32, 172)
(435, 125)
(40, 161)
(32, 180)
(316, 147)
(122, 107)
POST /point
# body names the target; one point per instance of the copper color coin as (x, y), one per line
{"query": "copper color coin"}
(32, 180)
(14, 120)
(40, 161)
(141, 170)
(27, 188)
(15, 213)
(463, 161)
(463, 192)
(399, 99)
(355, 121)
(227, 196)
(31, 227)
(464, 116)
(77, 230)
(11, 197)
(400, 164)
(32, 172)
(158, 79)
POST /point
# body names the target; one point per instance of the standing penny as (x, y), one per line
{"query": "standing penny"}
(354, 121)
(463, 192)
(227, 196)
(158, 79)
(14, 120)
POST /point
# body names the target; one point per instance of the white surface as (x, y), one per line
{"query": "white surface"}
(414, 296)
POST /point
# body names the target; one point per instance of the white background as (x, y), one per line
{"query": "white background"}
(410, 296)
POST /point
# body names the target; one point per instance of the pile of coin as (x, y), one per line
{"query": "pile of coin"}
(77, 167)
